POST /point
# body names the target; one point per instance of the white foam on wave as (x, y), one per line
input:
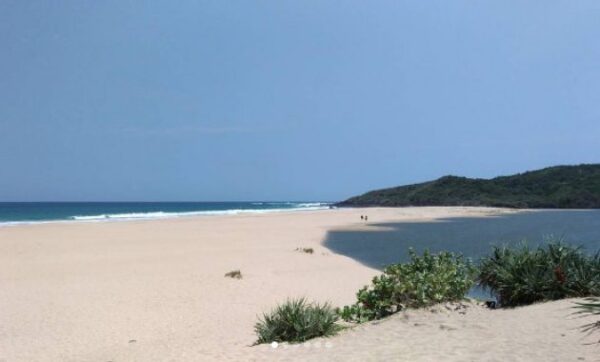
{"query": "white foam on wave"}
(91, 217)
(309, 206)
(138, 215)
(313, 204)
(160, 214)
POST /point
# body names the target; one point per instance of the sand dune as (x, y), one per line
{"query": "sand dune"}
(156, 291)
(450, 332)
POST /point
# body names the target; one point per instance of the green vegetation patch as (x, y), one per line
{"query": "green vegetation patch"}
(425, 280)
(297, 321)
(521, 276)
(554, 187)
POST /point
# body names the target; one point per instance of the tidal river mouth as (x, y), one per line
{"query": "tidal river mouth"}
(388, 243)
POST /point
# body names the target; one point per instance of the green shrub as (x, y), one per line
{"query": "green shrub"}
(520, 276)
(590, 306)
(425, 280)
(296, 321)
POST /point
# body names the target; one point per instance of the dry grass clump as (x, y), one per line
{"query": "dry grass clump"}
(234, 274)
(306, 250)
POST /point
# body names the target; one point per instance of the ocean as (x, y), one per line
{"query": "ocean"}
(42, 212)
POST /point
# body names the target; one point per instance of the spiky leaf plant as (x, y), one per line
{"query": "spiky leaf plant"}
(590, 306)
(297, 320)
(521, 275)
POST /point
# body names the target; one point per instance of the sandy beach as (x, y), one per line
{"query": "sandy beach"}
(456, 332)
(155, 291)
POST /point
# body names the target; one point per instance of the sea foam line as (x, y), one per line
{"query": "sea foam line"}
(164, 215)
(161, 214)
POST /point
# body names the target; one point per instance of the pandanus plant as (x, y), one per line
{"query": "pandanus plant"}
(522, 275)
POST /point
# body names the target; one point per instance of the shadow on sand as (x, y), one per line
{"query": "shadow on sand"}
(387, 243)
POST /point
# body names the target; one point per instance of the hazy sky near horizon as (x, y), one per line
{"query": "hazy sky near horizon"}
(289, 100)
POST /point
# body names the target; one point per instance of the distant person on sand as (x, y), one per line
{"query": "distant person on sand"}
(366, 218)
(362, 217)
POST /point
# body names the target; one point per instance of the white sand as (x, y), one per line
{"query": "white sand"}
(155, 291)
(542, 332)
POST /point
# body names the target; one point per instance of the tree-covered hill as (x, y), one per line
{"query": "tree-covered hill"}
(553, 187)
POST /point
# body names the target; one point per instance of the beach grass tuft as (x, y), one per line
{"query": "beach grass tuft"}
(522, 275)
(297, 320)
(234, 274)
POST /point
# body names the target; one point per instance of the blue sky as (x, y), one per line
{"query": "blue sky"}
(279, 100)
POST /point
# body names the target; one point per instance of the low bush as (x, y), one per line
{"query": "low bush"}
(425, 280)
(296, 321)
(520, 276)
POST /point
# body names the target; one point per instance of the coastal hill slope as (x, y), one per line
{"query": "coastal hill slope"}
(565, 187)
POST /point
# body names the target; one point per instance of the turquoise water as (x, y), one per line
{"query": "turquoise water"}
(35, 212)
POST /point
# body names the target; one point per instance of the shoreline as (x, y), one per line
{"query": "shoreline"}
(93, 219)
(254, 212)
(165, 216)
